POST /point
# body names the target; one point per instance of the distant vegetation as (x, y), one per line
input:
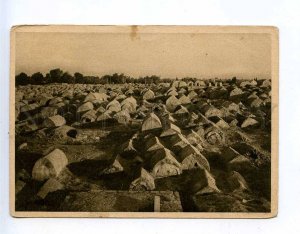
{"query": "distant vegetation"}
(59, 76)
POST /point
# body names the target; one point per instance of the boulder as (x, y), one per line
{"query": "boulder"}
(163, 164)
(240, 164)
(64, 132)
(89, 116)
(237, 182)
(54, 121)
(153, 143)
(149, 94)
(19, 185)
(114, 106)
(190, 157)
(85, 107)
(115, 167)
(51, 185)
(123, 117)
(203, 183)
(184, 99)
(171, 103)
(50, 165)
(172, 129)
(23, 146)
(151, 122)
(249, 122)
(143, 182)
(95, 97)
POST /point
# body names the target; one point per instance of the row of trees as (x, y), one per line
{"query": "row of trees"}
(59, 76)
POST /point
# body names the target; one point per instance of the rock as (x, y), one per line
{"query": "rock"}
(237, 182)
(64, 132)
(49, 166)
(143, 182)
(204, 183)
(51, 185)
(240, 164)
(152, 122)
(23, 146)
(54, 121)
(249, 122)
(171, 103)
(171, 130)
(19, 185)
(115, 167)
(23, 175)
(85, 107)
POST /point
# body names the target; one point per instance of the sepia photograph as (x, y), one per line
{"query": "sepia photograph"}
(144, 121)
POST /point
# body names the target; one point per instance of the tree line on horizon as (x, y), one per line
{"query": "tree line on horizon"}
(59, 76)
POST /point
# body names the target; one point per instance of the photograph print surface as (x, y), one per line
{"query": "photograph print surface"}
(144, 121)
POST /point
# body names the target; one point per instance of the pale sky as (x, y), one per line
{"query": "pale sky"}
(203, 55)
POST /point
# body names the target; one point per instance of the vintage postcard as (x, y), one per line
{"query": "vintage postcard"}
(144, 121)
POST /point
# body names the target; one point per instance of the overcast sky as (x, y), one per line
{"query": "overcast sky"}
(167, 55)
